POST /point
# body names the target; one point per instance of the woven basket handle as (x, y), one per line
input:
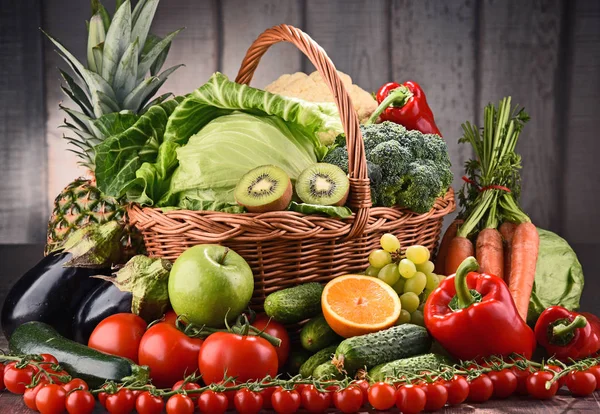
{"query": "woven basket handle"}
(360, 193)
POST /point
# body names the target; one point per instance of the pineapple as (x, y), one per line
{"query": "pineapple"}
(110, 91)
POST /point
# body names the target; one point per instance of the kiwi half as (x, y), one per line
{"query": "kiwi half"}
(265, 188)
(323, 184)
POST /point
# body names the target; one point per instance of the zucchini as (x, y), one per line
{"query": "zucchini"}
(317, 334)
(317, 359)
(416, 364)
(327, 371)
(380, 347)
(294, 304)
(94, 367)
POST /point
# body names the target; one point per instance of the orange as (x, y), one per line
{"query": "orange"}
(356, 305)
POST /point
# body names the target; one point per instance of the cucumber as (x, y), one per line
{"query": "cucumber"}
(294, 304)
(317, 334)
(296, 359)
(416, 364)
(317, 359)
(380, 347)
(78, 360)
(327, 371)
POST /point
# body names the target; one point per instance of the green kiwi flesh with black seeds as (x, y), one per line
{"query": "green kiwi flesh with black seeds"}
(323, 184)
(265, 188)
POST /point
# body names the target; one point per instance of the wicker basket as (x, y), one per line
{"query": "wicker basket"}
(286, 248)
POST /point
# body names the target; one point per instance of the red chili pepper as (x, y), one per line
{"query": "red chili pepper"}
(405, 104)
(472, 315)
(567, 334)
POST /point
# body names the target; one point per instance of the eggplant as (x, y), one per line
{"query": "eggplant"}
(104, 301)
(49, 292)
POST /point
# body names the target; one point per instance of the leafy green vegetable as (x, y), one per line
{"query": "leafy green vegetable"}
(558, 276)
(232, 128)
(332, 211)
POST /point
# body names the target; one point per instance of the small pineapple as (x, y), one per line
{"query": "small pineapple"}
(111, 91)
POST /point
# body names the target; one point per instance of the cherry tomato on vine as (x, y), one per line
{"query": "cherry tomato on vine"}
(277, 330)
(266, 394)
(75, 383)
(458, 390)
(594, 370)
(285, 401)
(119, 334)
(81, 402)
(51, 399)
(213, 402)
(247, 402)
(170, 317)
(436, 395)
(169, 353)
(180, 404)
(349, 399)
(188, 387)
(364, 387)
(228, 352)
(581, 383)
(123, 402)
(480, 389)
(382, 396)
(31, 393)
(16, 379)
(315, 401)
(410, 399)
(521, 375)
(2, 367)
(504, 382)
(536, 385)
(49, 358)
(556, 368)
(147, 403)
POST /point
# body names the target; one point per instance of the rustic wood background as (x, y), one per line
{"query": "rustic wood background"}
(465, 53)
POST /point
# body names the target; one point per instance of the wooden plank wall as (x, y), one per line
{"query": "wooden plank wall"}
(465, 53)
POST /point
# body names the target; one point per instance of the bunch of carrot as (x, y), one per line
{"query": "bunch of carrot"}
(506, 242)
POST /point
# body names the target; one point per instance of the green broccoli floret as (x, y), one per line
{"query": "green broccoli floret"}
(407, 168)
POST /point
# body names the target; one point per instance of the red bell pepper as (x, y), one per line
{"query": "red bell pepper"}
(473, 316)
(405, 104)
(568, 335)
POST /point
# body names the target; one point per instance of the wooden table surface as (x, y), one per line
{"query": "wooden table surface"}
(15, 260)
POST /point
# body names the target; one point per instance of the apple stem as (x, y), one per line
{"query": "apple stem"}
(224, 255)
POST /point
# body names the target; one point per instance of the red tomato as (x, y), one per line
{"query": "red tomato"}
(213, 402)
(2, 367)
(147, 403)
(170, 317)
(75, 383)
(436, 396)
(315, 401)
(180, 404)
(285, 401)
(277, 330)
(81, 402)
(247, 402)
(536, 385)
(244, 357)
(49, 358)
(31, 393)
(348, 400)
(16, 379)
(556, 368)
(188, 387)
(123, 402)
(266, 394)
(504, 382)
(480, 389)
(169, 353)
(51, 399)
(458, 390)
(581, 383)
(594, 370)
(382, 396)
(364, 387)
(410, 399)
(119, 334)
(521, 375)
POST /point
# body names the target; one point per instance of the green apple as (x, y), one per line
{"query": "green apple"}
(208, 282)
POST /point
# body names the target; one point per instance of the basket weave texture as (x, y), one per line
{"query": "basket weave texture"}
(286, 248)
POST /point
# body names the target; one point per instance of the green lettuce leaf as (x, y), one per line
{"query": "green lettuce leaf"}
(558, 276)
(340, 212)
